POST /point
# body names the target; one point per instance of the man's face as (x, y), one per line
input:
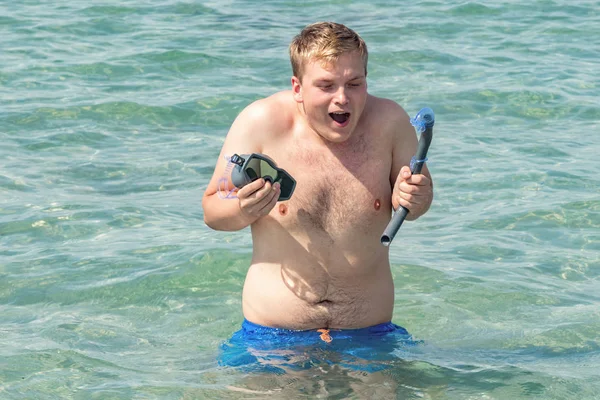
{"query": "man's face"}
(333, 96)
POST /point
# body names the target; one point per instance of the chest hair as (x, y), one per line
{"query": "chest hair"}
(336, 190)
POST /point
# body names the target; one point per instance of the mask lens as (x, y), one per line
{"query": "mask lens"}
(286, 186)
(253, 169)
(257, 167)
(268, 172)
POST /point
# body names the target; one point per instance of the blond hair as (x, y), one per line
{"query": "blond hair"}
(324, 42)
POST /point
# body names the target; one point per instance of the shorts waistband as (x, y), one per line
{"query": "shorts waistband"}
(326, 334)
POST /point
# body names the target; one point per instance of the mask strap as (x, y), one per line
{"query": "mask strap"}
(223, 190)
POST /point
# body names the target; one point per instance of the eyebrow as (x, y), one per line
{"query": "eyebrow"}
(326, 80)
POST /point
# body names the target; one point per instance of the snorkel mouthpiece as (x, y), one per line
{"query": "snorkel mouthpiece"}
(423, 120)
(423, 123)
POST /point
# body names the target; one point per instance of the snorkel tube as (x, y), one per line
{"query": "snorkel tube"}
(423, 122)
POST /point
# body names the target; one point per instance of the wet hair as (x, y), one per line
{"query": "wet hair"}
(324, 42)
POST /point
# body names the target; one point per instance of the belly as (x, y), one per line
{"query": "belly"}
(278, 295)
(308, 275)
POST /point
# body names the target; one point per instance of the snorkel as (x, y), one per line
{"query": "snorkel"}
(423, 123)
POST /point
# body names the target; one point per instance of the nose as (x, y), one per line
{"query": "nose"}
(341, 97)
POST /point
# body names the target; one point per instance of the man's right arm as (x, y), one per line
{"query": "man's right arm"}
(244, 137)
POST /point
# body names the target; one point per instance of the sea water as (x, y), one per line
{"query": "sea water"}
(112, 115)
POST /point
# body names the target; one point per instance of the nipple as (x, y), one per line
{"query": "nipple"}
(377, 204)
(283, 209)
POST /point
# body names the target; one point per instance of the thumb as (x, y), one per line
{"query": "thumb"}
(405, 172)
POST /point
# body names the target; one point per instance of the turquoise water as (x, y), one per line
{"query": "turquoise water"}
(112, 116)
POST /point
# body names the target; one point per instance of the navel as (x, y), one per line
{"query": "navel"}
(377, 204)
(283, 209)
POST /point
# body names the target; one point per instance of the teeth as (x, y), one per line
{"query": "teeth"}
(340, 117)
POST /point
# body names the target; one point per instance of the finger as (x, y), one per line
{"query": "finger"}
(406, 204)
(250, 201)
(405, 172)
(259, 198)
(273, 198)
(406, 197)
(410, 201)
(413, 193)
(267, 194)
(408, 188)
(251, 188)
(422, 186)
(264, 199)
(419, 180)
(401, 201)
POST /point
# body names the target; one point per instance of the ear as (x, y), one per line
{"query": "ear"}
(297, 89)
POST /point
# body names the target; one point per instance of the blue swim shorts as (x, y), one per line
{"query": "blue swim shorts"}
(261, 348)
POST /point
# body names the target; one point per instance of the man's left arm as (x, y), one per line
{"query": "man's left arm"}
(414, 192)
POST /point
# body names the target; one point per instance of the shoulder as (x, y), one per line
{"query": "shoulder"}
(387, 108)
(262, 120)
(271, 113)
(395, 130)
(389, 116)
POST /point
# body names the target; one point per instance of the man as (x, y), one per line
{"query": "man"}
(318, 265)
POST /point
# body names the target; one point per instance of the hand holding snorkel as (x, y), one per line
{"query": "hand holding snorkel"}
(423, 122)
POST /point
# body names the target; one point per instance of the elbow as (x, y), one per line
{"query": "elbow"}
(220, 225)
(212, 223)
(215, 218)
(208, 221)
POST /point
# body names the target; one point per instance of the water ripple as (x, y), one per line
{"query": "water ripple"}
(113, 114)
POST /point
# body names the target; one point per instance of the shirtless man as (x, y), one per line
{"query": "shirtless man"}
(317, 261)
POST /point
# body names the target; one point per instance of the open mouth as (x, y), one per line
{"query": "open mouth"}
(340, 117)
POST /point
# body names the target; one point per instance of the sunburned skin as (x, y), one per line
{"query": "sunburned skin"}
(317, 260)
(320, 264)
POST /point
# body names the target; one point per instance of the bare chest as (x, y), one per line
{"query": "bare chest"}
(337, 193)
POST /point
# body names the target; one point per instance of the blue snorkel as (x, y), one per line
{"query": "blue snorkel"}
(423, 122)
